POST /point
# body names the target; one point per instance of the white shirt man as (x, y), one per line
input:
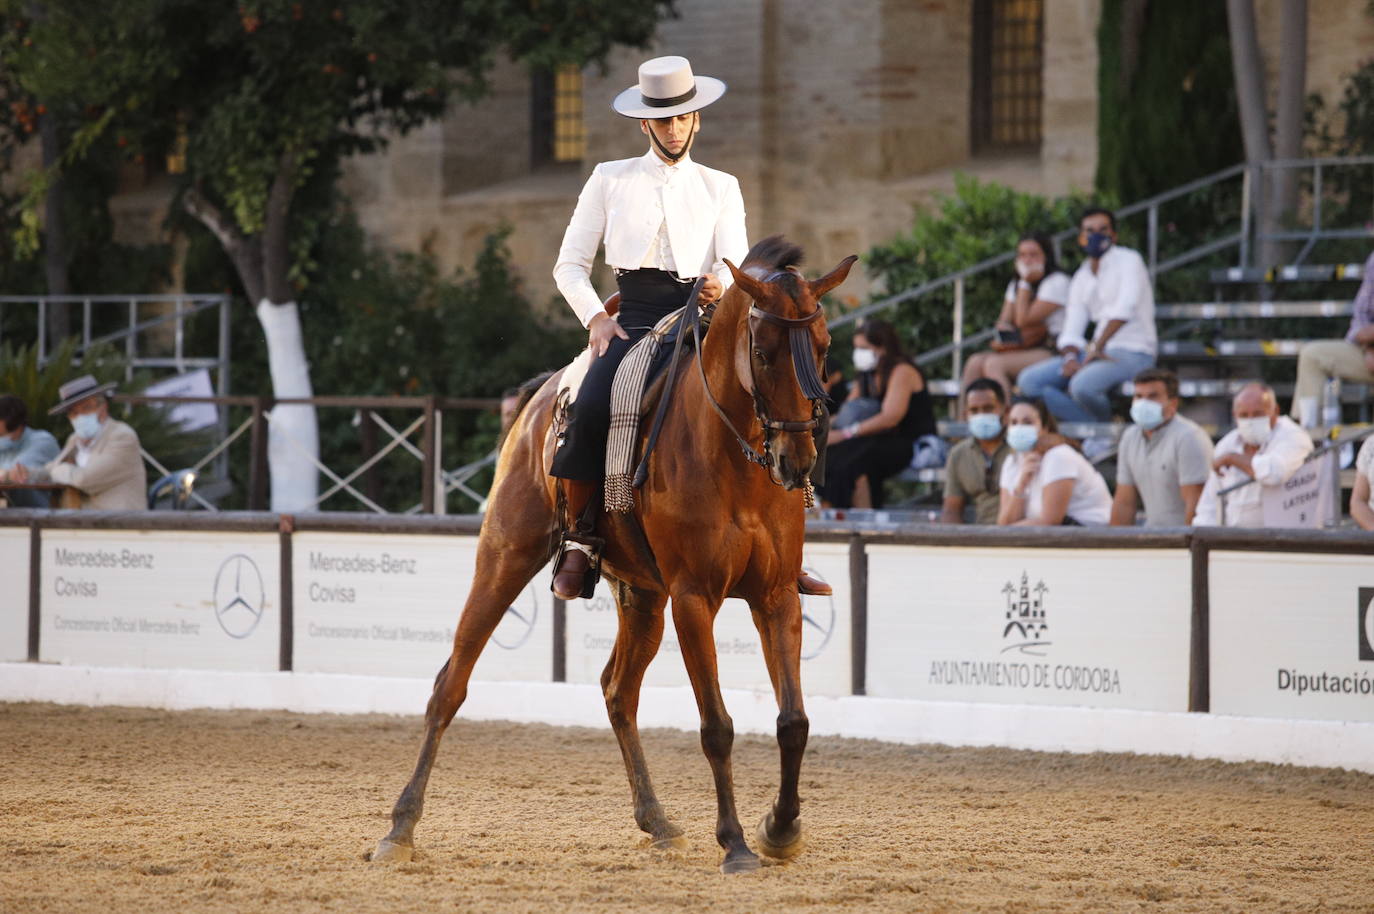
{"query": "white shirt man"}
(1264, 449)
(1119, 290)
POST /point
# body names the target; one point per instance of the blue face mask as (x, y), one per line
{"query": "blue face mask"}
(985, 426)
(1097, 244)
(1022, 437)
(8, 444)
(86, 425)
(1146, 413)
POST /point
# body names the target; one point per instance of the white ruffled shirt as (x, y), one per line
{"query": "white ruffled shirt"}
(634, 206)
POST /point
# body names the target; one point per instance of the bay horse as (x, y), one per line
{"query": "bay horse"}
(707, 524)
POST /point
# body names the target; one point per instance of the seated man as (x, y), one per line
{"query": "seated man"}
(1351, 358)
(1164, 458)
(974, 466)
(1263, 447)
(21, 446)
(101, 458)
(1111, 289)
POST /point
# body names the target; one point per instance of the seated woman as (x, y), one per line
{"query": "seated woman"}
(873, 434)
(1058, 486)
(1362, 497)
(1032, 316)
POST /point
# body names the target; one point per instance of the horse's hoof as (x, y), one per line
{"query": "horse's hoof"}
(743, 862)
(391, 852)
(783, 847)
(670, 843)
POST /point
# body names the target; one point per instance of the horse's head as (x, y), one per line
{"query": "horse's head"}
(780, 358)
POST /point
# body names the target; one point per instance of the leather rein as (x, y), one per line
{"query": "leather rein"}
(808, 379)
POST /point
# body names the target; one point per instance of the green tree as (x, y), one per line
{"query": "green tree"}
(267, 98)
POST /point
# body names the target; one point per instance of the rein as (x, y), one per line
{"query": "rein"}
(806, 376)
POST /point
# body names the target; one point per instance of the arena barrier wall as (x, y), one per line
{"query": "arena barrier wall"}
(1227, 644)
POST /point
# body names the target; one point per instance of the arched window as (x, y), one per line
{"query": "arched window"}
(1008, 59)
(556, 128)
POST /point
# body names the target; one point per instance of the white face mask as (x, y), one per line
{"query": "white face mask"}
(1254, 431)
(865, 359)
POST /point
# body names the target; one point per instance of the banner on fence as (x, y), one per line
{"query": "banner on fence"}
(1105, 628)
(1307, 499)
(14, 594)
(188, 416)
(157, 598)
(388, 605)
(1292, 635)
(826, 627)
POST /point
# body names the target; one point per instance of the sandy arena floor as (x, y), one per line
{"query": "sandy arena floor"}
(108, 810)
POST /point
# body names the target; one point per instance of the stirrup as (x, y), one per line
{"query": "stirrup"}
(591, 546)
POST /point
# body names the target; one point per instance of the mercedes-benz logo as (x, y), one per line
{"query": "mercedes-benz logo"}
(818, 621)
(517, 624)
(239, 596)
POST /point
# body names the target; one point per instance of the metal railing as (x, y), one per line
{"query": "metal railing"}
(422, 439)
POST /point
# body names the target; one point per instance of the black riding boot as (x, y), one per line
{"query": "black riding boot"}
(579, 555)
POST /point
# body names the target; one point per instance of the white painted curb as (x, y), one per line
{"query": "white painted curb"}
(1332, 744)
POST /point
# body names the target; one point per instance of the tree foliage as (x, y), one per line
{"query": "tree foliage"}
(1155, 79)
(269, 95)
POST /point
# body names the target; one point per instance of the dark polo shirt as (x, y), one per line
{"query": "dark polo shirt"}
(971, 475)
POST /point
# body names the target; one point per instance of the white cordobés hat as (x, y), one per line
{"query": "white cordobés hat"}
(667, 88)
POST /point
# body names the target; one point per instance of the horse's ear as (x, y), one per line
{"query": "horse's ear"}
(751, 286)
(832, 279)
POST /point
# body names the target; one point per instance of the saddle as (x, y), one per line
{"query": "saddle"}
(642, 382)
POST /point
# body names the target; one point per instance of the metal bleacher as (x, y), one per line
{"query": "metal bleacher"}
(1219, 337)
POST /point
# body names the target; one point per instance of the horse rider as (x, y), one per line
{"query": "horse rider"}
(665, 221)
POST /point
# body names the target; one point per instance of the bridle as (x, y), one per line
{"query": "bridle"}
(803, 364)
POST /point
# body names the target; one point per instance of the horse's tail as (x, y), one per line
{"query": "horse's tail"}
(525, 392)
(773, 253)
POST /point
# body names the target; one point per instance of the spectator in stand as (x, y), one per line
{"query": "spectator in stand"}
(974, 469)
(21, 446)
(1032, 314)
(1111, 290)
(873, 436)
(1264, 447)
(1164, 458)
(102, 457)
(1057, 487)
(1362, 497)
(1351, 359)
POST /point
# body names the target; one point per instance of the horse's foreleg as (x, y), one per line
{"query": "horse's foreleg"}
(637, 641)
(693, 619)
(503, 571)
(780, 630)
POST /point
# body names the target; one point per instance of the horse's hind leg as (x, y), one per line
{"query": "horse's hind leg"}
(637, 641)
(780, 629)
(504, 568)
(694, 619)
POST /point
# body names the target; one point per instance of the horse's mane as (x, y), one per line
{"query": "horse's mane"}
(771, 255)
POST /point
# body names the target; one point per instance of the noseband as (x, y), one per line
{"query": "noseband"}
(803, 364)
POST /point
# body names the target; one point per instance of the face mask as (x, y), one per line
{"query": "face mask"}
(1147, 413)
(1022, 437)
(1254, 431)
(8, 444)
(985, 426)
(1024, 269)
(1097, 244)
(86, 425)
(865, 359)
